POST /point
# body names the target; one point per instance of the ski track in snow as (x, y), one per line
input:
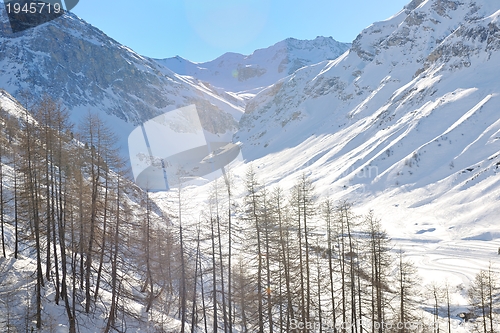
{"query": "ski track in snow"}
(455, 261)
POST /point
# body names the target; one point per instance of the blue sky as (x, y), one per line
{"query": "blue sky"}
(201, 30)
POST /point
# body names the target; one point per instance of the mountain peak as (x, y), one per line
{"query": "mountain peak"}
(85, 70)
(236, 72)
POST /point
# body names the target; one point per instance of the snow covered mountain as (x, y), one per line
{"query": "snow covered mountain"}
(79, 65)
(405, 121)
(236, 72)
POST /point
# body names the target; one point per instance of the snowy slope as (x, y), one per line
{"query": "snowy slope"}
(236, 72)
(406, 123)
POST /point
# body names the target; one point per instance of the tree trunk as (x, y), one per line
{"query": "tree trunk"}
(114, 263)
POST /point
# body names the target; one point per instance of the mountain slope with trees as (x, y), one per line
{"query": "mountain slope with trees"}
(82, 245)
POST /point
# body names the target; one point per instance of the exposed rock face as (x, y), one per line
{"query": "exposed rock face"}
(246, 73)
(476, 39)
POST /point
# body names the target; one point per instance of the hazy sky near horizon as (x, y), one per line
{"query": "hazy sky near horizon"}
(201, 30)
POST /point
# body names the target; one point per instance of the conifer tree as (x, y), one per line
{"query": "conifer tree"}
(3, 144)
(484, 298)
(406, 291)
(253, 213)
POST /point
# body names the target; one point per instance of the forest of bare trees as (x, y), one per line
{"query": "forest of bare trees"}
(252, 259)
(71, 209)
